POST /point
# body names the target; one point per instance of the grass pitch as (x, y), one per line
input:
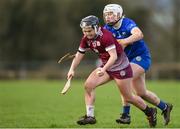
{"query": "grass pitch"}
(38, 104)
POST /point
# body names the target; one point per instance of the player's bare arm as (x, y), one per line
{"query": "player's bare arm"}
(136, 35)
(77, 59)
(110, 62)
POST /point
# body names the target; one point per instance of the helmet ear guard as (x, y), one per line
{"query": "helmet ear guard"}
(95, 27)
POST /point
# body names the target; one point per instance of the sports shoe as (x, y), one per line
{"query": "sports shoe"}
(166, 113)
(86, 120)
(152, 117)
(124, 119)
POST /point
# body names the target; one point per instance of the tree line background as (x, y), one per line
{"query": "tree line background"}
(34, 32)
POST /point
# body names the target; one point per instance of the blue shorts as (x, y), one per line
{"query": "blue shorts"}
(143, 60)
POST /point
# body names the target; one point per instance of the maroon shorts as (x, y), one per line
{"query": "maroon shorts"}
(121, 74)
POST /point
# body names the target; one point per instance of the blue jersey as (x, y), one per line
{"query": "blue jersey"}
(134, 51)
(124, 31)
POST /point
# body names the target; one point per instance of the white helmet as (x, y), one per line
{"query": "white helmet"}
(117, 13)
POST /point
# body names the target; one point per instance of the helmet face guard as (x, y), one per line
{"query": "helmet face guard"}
(111, 19)
(85, 24)
(112, 13)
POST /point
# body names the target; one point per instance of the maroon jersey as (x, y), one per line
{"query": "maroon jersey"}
(101, 45)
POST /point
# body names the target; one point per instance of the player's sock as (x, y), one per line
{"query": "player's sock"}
(162, 105)
(90, 110)
(126, 109)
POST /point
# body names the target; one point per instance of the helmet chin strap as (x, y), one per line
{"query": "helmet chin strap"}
(113, 23)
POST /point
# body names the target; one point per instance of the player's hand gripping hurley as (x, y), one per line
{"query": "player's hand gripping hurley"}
(68, 83)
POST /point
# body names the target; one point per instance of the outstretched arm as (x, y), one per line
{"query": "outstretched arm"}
(77, 59)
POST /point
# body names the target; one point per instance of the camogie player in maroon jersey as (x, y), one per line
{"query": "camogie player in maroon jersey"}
(115, 66)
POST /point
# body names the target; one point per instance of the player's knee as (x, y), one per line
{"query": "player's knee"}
(89, 86)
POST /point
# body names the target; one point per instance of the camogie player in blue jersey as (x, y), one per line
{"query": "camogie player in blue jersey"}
(130, 37)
